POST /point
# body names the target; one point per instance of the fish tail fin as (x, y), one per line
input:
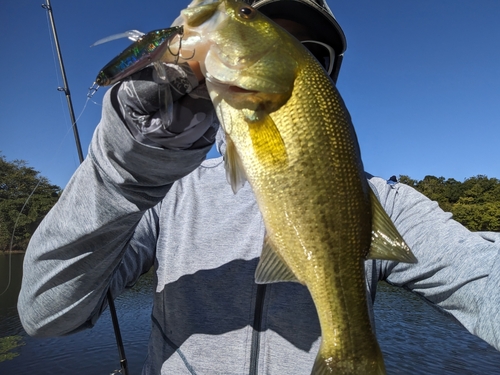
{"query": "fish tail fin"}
(327, 364)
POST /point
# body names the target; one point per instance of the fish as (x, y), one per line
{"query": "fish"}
(151, 48)
(289, 134)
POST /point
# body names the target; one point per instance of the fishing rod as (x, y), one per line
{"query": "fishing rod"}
(65, 89)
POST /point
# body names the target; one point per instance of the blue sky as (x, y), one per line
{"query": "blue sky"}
(421, 79)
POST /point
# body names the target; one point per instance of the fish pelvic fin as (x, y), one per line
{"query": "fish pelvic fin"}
(328, 365)
(272, 268)
(235, 173)
(386, 242)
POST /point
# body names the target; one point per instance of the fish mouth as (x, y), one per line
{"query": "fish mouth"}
(240, 90)
(244, 98)
(229, 87)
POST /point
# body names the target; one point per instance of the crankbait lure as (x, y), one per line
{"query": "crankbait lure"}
(148, 49)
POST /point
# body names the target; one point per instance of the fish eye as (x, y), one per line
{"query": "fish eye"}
(246, 13)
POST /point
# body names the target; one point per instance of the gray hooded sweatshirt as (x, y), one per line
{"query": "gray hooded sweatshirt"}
(135, 204)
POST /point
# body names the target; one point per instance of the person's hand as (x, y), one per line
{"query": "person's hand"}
(147, 105)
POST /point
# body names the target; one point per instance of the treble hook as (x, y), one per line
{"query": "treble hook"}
(178, 54)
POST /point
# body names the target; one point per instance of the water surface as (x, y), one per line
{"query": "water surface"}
(414, 337)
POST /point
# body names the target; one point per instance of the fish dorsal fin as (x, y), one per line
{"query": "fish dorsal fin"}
(387, 243)
(271, 267)
(266, 139)
(235, 173)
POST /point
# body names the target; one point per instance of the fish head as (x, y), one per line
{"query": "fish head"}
(248, 60)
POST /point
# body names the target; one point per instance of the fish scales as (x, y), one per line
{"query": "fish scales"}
(318, 205)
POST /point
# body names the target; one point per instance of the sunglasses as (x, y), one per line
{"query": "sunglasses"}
(322, 52)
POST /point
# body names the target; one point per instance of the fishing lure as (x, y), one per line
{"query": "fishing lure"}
(147, 49)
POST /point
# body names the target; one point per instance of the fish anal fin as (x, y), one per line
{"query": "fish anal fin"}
(271, 267)
(387, 243)
(235, 172)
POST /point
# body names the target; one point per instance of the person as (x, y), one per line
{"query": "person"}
(146, 197)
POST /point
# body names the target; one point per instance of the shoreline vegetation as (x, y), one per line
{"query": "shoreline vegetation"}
(7, 346)
(26, 197)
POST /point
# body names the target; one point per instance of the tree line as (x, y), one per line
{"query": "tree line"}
(19, 216)
(475, 202)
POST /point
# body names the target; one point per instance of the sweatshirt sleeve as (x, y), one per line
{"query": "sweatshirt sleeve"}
(103, 229)
(458, 271)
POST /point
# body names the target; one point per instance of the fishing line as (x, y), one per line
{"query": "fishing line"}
(92, 101)
(12, 237)
(51, 162)
(11, 244)
(112, 310)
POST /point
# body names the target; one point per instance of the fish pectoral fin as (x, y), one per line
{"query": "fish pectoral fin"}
(266, 139)
(272, 268)
(235, 173)
(387, 243)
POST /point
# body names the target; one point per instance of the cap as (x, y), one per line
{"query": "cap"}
(314, 15)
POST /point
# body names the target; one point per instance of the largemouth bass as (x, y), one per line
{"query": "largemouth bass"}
(290, 135)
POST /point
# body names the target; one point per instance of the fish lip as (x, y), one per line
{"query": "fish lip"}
(240, 90)
(229, 86)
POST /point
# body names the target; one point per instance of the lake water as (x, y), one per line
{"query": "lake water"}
(414, 337)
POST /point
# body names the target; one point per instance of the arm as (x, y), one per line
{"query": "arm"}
(103, 229)
(458, 271)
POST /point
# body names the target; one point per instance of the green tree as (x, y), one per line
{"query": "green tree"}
(7, 345)
(478, 217)
(475, 203)
(25, 198)
(404, 179)
(479, 206)
(482, 189)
